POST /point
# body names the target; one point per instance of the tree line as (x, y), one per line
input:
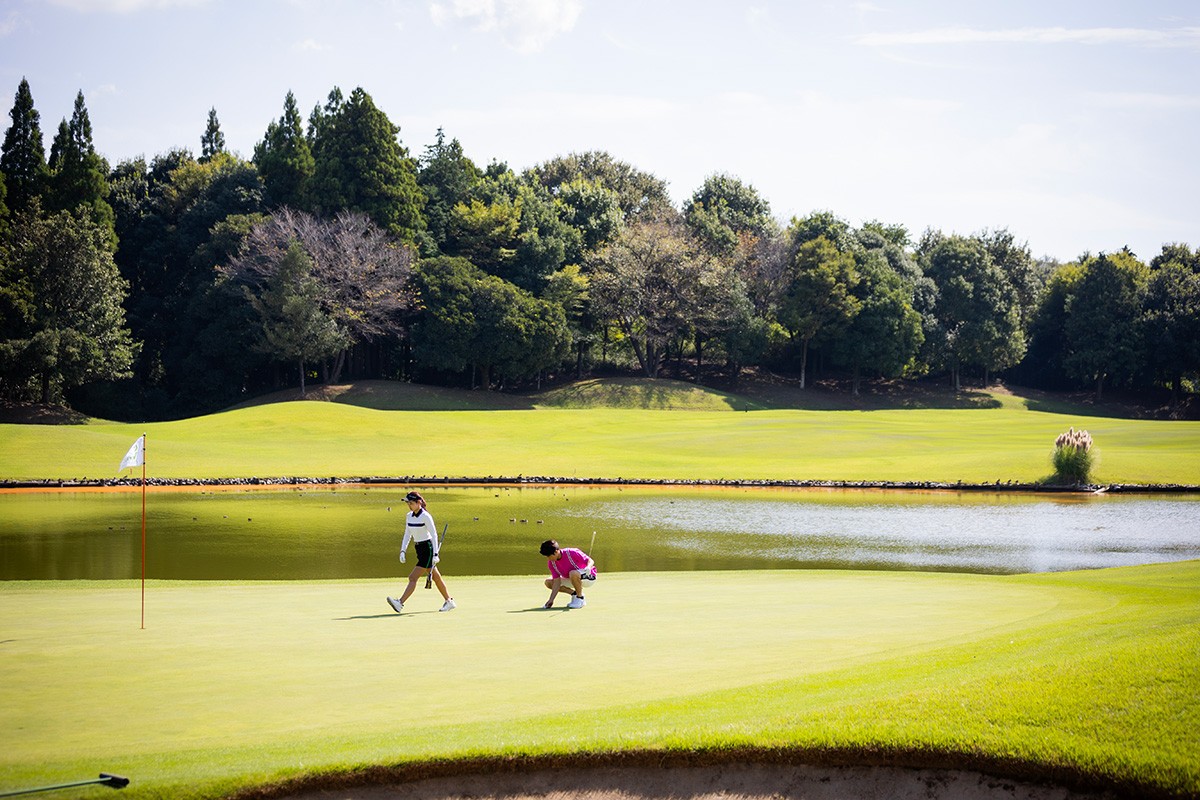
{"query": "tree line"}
(179, 285)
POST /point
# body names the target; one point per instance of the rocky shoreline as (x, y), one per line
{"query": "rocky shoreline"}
(548, 480)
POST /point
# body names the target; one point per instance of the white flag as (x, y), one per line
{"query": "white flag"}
(136, 455)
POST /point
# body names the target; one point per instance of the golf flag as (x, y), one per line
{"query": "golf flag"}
(136, 455)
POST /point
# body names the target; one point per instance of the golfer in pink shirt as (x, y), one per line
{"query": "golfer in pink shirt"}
(569, 568)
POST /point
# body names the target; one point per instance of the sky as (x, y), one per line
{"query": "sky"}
(1071, 123)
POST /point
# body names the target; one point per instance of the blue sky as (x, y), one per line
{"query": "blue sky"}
(1072, 124)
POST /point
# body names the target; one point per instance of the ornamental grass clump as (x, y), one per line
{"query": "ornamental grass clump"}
(1073, 456)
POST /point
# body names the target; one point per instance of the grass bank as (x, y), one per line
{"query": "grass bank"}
(1090, 676)
(628, 429)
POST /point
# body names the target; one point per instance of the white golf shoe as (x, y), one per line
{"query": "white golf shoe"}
(577, 602)
(396, 605)
(449, 605)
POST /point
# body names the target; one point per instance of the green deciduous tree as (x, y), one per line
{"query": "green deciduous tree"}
(1171, 315)
(470, 319)
(593, 215)
(1024, 274)
(640, 195)
(648, 283)
(885, 335)
(977, 310)
(64, 294)
(819, 298)
(166, 216)
(1102, 331)
(512, 229)
(724, 210)
(284, 159)
(23, 156)
(1043, 362)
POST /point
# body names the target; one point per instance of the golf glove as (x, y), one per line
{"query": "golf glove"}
(436, 559)
(402, 558)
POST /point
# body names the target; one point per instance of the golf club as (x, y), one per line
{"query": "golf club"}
(105, 779)
(436, 551)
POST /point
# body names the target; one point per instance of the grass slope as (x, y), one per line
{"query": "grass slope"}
(611, 429)
(1091, 676)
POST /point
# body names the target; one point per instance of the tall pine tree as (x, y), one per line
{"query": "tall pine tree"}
(23, 156)
(213, 141)
(447, 177)
(361, 166)
(284, 159)
(78, 174)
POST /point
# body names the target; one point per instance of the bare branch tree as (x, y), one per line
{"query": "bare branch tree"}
(363, 274)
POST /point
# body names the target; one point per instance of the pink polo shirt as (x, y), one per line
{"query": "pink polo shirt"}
(570, 558)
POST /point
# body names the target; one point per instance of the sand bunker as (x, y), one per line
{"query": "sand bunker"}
(730, 782)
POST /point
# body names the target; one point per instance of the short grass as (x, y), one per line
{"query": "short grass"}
(1091, 676)
(673, 431)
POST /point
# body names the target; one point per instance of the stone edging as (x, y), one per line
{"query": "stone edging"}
(537, 480)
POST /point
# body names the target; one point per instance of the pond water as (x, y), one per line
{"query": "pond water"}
(312, 533)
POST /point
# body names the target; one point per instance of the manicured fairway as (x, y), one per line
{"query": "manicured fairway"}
(1094, 673)
(1005, 440)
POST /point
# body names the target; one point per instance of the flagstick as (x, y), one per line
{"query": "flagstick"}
(143, 531)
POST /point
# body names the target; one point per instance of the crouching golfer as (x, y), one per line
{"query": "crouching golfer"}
(569, 568)
(420, 528)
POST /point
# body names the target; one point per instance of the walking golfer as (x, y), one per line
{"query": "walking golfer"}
(569, 568)
(420, 528)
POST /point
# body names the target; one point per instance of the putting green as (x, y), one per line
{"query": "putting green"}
(234, 684)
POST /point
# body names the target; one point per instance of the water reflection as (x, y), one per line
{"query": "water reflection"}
(969, 534)
(354, 532)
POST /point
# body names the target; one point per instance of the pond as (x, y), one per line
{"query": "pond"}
(308, 533)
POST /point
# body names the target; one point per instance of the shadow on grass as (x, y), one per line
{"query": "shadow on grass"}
(38, 414)
(773, 392)
(399, 396)
(384, 615)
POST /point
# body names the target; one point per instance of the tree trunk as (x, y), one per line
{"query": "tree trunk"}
(335, 374)
(302, 393)
(699, 358)
(653, 359)
(857, 379)
(1099, 387)
(803, 360)
(642, 356)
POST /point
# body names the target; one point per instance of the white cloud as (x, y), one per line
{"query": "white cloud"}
(309, 46)
(1176, 37)
(526, 26)
(125, 6)
(9, 23)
